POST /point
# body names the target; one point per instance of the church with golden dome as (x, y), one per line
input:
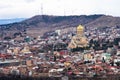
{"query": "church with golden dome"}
(79, 40)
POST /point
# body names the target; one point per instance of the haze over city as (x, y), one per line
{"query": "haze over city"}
(28, 8)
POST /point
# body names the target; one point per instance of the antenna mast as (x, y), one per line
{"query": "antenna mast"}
(41, 9)
(64, 12)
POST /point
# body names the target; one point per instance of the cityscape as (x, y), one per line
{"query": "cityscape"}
(59, 44)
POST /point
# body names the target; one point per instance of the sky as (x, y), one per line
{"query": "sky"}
(28, 8)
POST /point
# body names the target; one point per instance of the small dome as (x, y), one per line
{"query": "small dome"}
(80, 28)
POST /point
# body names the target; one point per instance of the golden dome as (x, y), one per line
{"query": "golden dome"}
(80, 28)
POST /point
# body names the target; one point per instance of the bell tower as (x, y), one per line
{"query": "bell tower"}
(80, 30)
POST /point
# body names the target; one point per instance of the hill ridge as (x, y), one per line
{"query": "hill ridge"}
(39, 24)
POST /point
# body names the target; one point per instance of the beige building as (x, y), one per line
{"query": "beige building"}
(79, 40)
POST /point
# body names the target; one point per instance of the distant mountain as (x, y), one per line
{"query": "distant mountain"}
(40, 24)
(8, 21)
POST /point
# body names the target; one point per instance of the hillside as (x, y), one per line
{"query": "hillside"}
(103, 21)
(40, 24)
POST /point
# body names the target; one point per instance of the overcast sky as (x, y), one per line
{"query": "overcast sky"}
(29, 8)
